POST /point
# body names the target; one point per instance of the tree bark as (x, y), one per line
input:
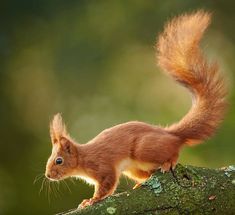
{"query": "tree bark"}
(186, 190)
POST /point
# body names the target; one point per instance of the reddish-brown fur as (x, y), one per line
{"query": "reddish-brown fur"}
(137, 149)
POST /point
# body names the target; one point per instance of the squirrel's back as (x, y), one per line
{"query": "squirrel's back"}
(180, 56)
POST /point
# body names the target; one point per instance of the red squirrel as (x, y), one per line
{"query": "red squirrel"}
(137, 149)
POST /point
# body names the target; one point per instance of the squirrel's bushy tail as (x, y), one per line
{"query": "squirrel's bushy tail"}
(180, 56)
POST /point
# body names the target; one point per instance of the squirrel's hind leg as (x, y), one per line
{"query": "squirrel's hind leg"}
(138, 175)
(168, 165)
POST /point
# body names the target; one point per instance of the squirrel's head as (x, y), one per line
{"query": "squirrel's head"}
(64, 157)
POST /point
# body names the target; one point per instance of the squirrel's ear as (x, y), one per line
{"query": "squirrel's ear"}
(66, 144)
(57, 129)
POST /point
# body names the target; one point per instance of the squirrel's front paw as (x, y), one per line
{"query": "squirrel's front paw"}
(86, 202)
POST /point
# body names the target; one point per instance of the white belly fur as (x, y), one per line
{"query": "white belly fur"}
(128, 164)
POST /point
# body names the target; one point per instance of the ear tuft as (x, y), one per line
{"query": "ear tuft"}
(57, 128)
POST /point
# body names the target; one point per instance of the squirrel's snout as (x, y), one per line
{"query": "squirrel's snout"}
(52, 175)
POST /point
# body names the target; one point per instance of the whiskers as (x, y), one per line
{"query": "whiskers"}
(52, 188)
(38, 177)
(66, 184)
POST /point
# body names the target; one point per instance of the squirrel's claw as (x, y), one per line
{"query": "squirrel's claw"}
(86, 202)
(137, 186)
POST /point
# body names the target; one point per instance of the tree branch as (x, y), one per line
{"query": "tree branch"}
(186, 190)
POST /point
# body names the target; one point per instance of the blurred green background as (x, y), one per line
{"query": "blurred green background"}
(93, 61)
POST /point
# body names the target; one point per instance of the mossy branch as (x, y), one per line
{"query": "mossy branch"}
(186, 190)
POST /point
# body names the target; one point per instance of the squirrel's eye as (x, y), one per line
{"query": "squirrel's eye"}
(59, 161)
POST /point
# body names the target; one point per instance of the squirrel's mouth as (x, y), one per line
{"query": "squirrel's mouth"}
(54, 177)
